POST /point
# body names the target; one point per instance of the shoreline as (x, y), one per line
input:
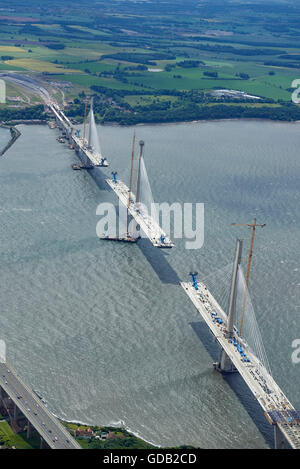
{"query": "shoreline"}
(15, 122)
(15, 134)
(115, 425)
(142, 124)
(200, 121)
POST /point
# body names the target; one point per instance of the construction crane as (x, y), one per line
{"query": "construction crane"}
(85, 114)
(130, 183)
(253, 227)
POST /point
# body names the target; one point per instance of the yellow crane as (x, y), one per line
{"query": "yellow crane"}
(253, 227)
(130, 183)
(85, 114)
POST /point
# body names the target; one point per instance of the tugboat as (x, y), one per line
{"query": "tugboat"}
(52, 124)
(61, 140)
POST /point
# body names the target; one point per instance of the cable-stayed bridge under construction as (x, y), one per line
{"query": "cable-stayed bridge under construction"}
(242, 353)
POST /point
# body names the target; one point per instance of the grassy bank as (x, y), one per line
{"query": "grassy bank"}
(96, 437)
(11, 440)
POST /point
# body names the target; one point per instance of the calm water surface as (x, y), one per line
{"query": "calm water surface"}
(102, 330)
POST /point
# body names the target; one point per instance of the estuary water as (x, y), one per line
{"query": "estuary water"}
(102, 330)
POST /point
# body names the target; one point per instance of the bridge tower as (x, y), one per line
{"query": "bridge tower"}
(280, 441)
(225, 365)
(138, 187)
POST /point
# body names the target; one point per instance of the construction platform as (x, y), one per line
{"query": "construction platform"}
(78, 167)
(122, 239)
(148, 225)
(288, 417)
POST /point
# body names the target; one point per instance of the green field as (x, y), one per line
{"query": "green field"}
(10, 439)
(250, 48)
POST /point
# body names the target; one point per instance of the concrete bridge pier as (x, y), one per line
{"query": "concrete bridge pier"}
(16, 415)
(280, 441)
(2, 396)
(16, 412)
(29, 430)
(69, 134)
(225, 365)
(43, 444)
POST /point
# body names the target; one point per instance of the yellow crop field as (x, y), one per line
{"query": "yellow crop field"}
(40, 66)
(11, 49)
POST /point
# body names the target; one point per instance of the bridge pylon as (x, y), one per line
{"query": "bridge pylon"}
(280, 441)
(138, 184)
(225, 365)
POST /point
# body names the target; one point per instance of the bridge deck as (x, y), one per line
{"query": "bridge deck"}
(50, 429)
(93, 157)
(149, 226)
(257, 378)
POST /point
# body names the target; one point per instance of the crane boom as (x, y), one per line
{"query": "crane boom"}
(130, 183)
(253, 226)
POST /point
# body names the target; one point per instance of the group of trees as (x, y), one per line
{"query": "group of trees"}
(118, 443)
(251, 51)
(135, 57)
(190, 63)
(26, 113)
(211, 74)
(243, 76)
(191, 111)
(278, 63)
(56, 46)
(189, 105)
(6, 57)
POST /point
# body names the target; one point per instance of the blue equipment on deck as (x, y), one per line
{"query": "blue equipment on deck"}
(194, 277)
